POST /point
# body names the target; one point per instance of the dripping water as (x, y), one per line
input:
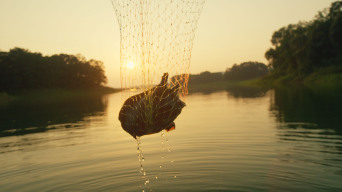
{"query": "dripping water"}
(166, 149)
(144, 177)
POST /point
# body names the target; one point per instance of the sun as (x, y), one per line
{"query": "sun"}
(130, 65)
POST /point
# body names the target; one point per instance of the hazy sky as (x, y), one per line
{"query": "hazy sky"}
(229, 31)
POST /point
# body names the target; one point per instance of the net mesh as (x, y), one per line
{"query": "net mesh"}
(156, 37)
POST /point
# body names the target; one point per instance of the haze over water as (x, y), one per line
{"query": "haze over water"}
(239, 139)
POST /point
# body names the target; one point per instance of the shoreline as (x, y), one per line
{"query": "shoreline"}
(54, 93)
(333, 80)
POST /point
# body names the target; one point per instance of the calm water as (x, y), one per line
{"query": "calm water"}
(230, 140)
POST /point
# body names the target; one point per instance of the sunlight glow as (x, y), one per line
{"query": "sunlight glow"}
(130, 65)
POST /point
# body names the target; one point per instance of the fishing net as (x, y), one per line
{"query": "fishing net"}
(156, 42)
(156, 37)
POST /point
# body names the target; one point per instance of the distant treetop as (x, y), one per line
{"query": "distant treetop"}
(22, 69)
(246, 70)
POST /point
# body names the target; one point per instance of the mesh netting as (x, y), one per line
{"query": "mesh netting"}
(156, 38)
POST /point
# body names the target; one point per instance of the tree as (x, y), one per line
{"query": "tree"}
(246, 70)
(205, 77)
(302, 48)
(22, 69)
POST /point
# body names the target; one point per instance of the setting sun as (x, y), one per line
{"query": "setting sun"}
(130, 65)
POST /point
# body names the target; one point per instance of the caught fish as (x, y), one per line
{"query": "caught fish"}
(152, 111)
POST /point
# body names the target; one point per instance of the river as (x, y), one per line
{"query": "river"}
(238, 139)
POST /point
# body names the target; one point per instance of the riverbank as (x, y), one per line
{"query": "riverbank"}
(53, 93)
(5, 98)
(223, 85)
(322, 78)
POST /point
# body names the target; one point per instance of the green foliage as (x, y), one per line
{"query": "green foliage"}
(301, 49)
(327, 77)
(246, 70)
(5, 98)
(205, 77)
(22, 69)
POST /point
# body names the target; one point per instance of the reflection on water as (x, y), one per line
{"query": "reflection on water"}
(309, 132)
(246, 91)
(31, 115)
(234, 91)
(314, 107)
(284, 139)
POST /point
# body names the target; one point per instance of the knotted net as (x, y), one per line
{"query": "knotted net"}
(156, 37)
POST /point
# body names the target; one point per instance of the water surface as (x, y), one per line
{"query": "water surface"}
(285, 139)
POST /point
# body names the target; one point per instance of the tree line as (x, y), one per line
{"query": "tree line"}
(297, 51)
(238, 72)
(306, 47)
(22, 69)
(246, 70)
(205, 77)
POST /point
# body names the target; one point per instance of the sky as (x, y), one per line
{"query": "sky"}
(229, 31)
